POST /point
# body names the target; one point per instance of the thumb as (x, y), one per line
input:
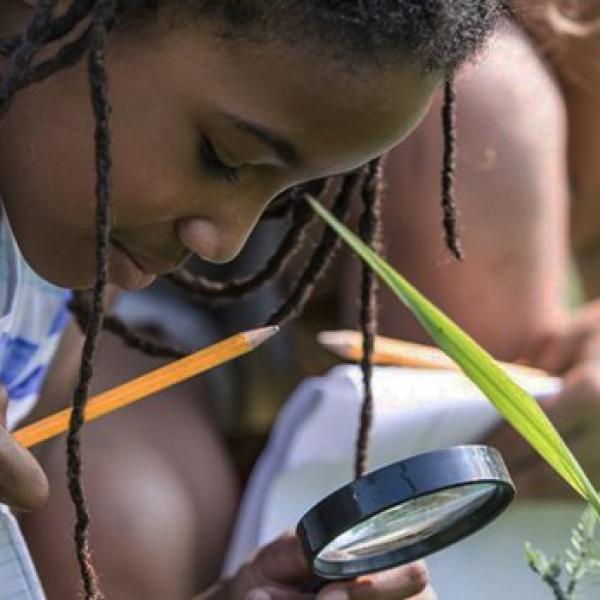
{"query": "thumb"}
(280, 563)
(23, 484)
(283, 561)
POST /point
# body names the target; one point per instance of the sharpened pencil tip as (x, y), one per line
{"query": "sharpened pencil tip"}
(259, 336)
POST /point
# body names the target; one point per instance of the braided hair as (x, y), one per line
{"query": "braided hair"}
(438, 34)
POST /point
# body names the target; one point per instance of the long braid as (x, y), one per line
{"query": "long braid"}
(143, 343)
(59, 27)
(293, 305)
(281, 208)
(67, 55)
(217, 291)
(71, 52)
(370, 232)
(29, 43)
(80, 308)
(99, 98)
(449, 169)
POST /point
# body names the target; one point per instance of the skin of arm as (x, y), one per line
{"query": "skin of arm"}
(571, 46)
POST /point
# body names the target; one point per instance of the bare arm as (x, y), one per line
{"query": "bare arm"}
(571, 44)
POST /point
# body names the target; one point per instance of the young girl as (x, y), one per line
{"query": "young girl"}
(216, 108)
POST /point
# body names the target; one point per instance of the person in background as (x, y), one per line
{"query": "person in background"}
(528, 191)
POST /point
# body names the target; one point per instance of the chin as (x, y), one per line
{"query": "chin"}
(57, 266)
(70, 283)
(59, 278)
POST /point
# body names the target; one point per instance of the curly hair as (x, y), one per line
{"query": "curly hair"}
(437, 33)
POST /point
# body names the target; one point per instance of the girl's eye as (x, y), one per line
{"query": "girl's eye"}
(213, 164)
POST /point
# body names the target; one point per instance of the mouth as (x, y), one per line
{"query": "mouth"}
(132, 270)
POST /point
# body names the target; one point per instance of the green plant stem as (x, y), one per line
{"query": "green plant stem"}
(556, 588)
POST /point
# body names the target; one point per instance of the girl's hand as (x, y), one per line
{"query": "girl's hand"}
(279, 572)
(23, 484)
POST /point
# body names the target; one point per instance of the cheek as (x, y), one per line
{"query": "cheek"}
(47, 153)
(154, 173)
(47, 180)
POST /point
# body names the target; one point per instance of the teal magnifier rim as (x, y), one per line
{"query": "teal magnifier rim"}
(471, 482)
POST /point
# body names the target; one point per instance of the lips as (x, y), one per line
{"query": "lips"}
(125, 271)
(148, 263)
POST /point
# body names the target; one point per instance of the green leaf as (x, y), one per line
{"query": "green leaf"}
(572, 556)
(514, 403)
(588, 524)
(537, 560)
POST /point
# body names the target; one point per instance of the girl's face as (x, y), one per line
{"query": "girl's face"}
(205, 133)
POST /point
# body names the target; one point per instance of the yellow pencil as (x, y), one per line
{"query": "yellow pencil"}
(148, 384)
(388, 351)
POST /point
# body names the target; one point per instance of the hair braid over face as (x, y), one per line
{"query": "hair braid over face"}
(103, 11)
(370, 232)
(24, 53)
(449, 169)
(320, 258)
(217, 291)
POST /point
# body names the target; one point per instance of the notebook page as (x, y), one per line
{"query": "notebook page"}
(18, 578)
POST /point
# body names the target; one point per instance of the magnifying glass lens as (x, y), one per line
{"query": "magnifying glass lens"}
(407, 524)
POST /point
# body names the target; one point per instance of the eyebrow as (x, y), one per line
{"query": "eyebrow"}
(284, 149)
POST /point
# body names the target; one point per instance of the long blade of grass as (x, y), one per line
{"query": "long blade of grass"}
(512, 401)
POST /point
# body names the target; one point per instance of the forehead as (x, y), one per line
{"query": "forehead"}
(336, 113)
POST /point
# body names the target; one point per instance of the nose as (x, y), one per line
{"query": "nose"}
(216, 242)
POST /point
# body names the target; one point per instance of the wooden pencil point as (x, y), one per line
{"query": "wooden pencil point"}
(259, 336)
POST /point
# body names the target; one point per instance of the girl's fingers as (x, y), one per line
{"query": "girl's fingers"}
(410, 582)
(428, 594)
(282, 561)
(23, 484)
(279, 570)
(573, 342)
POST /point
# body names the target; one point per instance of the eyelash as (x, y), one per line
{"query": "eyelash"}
(213, 164)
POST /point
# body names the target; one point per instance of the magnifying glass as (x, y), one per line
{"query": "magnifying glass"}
(404, 511)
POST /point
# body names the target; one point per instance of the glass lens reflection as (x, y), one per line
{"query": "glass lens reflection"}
(407, 524)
